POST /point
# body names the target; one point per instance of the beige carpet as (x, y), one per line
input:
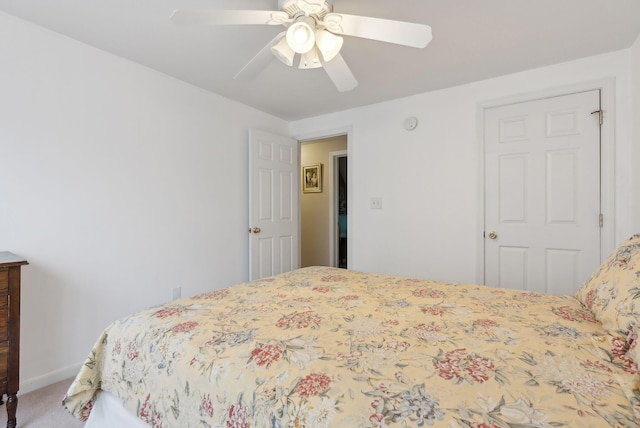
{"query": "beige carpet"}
(43, 409)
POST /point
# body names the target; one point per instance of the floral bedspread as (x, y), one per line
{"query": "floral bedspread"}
(325, 347)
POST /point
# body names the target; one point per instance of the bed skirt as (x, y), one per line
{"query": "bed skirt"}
(108, 412)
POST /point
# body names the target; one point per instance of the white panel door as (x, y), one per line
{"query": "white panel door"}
(542, 193)
(273, 204)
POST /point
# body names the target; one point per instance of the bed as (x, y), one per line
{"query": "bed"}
(327, 347)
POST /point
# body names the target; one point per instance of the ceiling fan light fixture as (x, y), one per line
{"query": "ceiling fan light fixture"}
(301, 37)
(329, 44)
(283, 52)
(312, 31)
(310, 59)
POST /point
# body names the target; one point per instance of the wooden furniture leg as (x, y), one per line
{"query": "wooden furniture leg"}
(12, 407)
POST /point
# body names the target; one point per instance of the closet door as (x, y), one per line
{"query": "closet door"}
(542, 193)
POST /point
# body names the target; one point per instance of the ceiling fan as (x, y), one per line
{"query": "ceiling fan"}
(313, 35)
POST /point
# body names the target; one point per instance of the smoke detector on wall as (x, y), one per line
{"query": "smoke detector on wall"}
(410, 123)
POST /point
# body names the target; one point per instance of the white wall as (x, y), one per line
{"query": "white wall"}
(635, 58)
(428, 178)
(118, 183)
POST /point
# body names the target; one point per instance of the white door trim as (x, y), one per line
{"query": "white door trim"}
(333, 195)
(317, 135)
(607, 158)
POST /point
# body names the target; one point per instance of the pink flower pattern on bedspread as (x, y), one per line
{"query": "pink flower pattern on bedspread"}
(323, 347)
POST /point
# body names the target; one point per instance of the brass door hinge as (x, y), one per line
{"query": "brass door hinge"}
(600, 115)
(601, 220)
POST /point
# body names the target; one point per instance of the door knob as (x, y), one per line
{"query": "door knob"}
(255, 230)
(493, 235)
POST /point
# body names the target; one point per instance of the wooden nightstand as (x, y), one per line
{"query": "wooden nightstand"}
(10, 331)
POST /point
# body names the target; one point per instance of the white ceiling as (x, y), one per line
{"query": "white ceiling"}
(472, 40)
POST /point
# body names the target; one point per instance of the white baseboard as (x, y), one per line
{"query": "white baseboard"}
(50, 378)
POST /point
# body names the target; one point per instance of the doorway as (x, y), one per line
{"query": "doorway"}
(339, 210)
(323, 240)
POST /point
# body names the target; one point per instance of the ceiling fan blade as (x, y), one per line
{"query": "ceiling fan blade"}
(384, 30)
(259, 62)
(340, 74)
(229, 17)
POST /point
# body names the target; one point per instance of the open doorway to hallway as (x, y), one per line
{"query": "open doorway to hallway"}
(340, 208)
(323, 211)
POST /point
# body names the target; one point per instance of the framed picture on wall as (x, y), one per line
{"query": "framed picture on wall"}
(312, 178)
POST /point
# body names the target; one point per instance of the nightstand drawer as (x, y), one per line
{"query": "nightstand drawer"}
(4, 281)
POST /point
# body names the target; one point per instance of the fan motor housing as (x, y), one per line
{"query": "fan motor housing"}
(316, 8)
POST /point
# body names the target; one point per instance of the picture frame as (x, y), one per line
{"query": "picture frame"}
(312, 178)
